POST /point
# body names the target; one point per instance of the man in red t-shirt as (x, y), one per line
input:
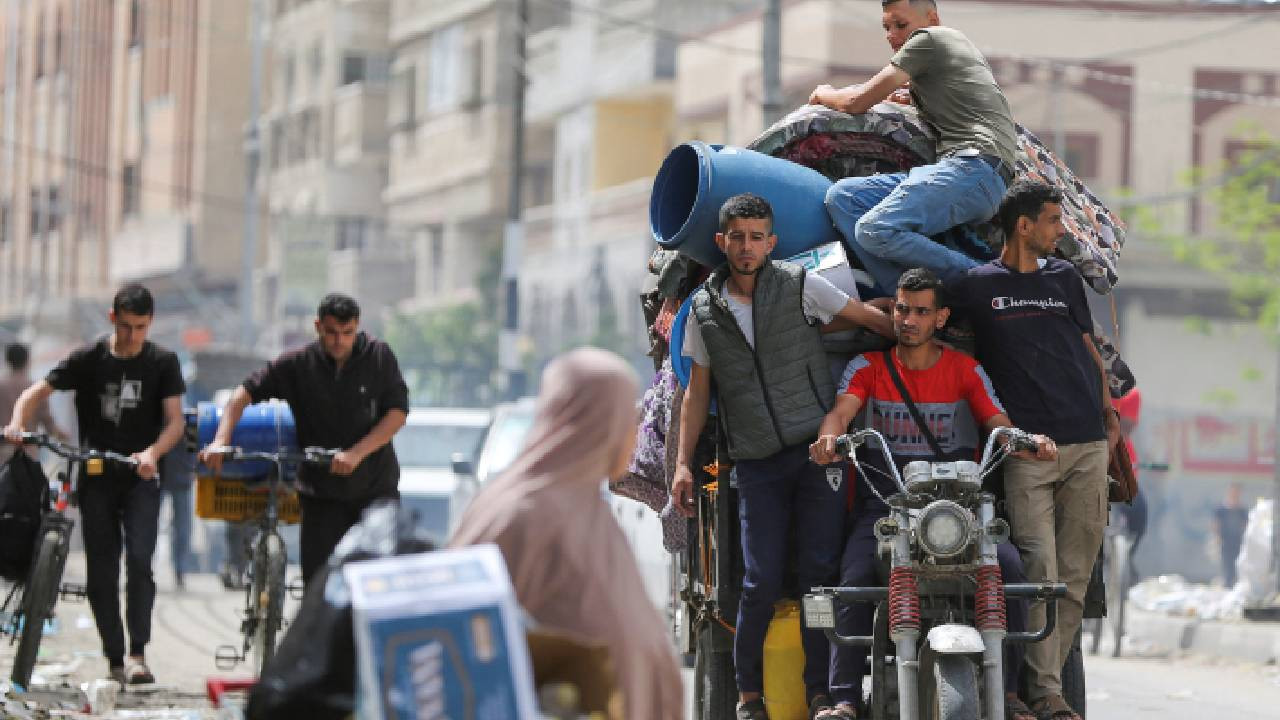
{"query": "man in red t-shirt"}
(958, 403)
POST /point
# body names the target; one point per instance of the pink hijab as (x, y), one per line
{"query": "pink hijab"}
(572, 568)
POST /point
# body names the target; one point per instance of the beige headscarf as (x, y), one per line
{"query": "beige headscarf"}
(572, 567)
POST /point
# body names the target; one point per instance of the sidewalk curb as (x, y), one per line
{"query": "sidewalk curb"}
(1257, 642)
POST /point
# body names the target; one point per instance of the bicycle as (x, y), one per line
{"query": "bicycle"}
(266, 554)
(37, 595)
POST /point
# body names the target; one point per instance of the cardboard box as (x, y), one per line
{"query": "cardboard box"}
(831, 262)
(438, 635)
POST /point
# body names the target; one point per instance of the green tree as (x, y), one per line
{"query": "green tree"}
(449, 355)
(1244, 250)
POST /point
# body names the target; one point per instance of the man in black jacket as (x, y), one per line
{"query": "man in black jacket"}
(345, 391)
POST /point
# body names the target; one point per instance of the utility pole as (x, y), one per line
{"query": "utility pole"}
(513, 232)
(252, 153)
(771, 51)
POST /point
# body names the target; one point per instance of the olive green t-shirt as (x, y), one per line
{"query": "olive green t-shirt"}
(956, 93)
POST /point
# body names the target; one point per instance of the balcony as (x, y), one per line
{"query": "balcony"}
(359, 124)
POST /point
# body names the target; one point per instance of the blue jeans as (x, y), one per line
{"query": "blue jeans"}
(886, 219)
(779, 495)
(858, 569)
(180, 533)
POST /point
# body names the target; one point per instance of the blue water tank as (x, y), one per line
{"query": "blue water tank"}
(264, 427)
(697, 178)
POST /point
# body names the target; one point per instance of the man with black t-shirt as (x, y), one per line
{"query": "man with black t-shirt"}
(346, 392)
(1034, 336)
(128, 396)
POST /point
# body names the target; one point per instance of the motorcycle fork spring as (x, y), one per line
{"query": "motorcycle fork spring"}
(904, 600)
(988, 600)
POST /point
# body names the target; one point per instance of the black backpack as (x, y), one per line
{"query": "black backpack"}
(24, 498)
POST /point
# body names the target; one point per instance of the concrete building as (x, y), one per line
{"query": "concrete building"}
(1135, 95)
(601, 136)
(450, 123)
(118, 162)
(324, 166)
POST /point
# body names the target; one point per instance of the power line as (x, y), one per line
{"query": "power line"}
(213, 199)
(1114, 78)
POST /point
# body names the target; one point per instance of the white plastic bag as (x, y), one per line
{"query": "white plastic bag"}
(1253, 564)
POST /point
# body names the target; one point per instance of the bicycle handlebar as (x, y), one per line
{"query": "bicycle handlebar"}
(314, 455)
(72, 452)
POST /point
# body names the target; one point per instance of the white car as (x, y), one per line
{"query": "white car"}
(435, 449)
(502, 443)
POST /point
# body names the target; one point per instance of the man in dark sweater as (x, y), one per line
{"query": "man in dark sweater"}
(1034, 337)
(346, 392)
(128, 395)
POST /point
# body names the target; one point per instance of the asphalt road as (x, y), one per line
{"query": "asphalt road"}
(1188, 688)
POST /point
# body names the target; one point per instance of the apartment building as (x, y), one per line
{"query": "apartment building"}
(117, 162)
(324, 165)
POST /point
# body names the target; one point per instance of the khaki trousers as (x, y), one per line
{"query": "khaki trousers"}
(1057, 513)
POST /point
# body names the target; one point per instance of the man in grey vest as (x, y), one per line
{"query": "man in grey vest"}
(754, 327)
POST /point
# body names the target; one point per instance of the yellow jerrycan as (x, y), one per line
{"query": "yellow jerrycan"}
(784, 665)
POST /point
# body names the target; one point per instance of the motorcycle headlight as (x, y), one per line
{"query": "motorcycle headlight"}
(945, 528)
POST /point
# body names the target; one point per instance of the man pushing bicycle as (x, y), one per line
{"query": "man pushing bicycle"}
(345, 391)
(128, 397)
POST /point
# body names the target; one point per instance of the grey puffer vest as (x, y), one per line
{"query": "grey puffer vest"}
(776, 395)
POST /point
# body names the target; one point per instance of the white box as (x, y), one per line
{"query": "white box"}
(831, 262)
(438, 635)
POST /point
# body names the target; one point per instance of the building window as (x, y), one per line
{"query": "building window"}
(317, 63)
(351, 233)
(129, 200)
(290, 79)
(446, 71)
(353, 69)
(404, 111)
(437, 258)
(54, 218)
(4, 222)
(135, 23)
(59, 63)
(39, 47)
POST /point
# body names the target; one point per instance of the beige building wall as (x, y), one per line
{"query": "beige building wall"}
(450, 139)
(324, 166)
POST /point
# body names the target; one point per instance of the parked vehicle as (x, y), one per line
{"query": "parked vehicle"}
(433, 447)
(503, 440)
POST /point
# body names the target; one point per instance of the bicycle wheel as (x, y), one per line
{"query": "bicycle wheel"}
(37, 602)
(266, 596)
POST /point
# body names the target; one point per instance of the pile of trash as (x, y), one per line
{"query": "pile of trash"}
(1173, 595)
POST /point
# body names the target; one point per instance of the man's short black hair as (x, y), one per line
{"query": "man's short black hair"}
(745, 206)
(134, 299)
(925, 5)
(917, 279)
(342, 308)
(1025, 199)
(17, 356)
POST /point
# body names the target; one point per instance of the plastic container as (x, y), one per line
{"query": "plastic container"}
(264, 427)
(784, 665)
(697, 178)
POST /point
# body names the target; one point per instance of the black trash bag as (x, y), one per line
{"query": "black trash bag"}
(313, 672)
(24, 499)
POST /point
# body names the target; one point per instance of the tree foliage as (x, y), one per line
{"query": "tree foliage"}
(1244, 245)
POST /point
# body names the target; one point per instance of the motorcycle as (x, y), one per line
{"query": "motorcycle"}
(940, 623)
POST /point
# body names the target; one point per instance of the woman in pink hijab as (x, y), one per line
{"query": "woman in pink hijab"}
(572, 568)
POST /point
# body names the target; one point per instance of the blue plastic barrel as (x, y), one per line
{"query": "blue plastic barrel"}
(681, 364)
(697, 178)
(264, 427)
